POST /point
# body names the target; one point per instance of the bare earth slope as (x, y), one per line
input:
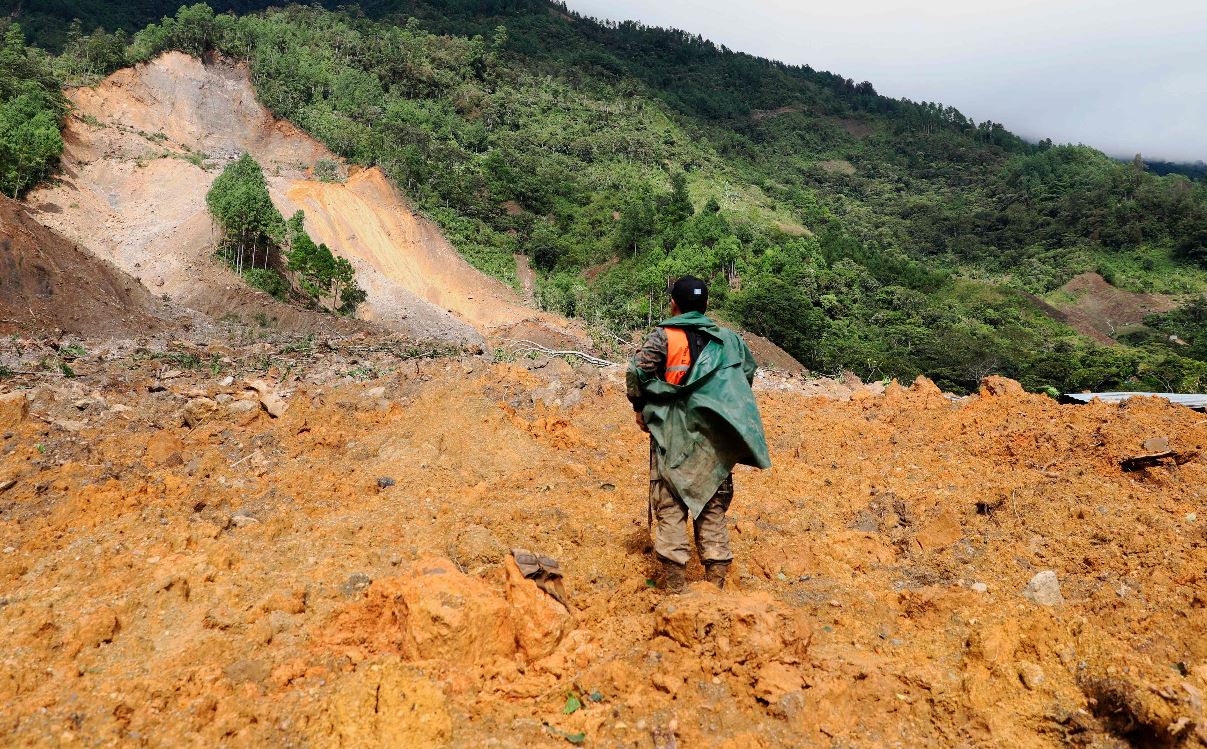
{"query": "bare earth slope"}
(180, 568)
(1098, 310)
(134, 189)
(48, 283)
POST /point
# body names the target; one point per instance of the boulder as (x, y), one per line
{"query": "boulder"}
(14, 408)
(198, 411)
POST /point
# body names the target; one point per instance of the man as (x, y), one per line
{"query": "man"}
(690, 386)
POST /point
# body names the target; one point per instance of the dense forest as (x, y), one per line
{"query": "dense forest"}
(884, 236)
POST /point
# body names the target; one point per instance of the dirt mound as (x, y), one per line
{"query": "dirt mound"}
(1096, 309)
(47, 283)
(337, 575)
(771, 356)
(145, 145)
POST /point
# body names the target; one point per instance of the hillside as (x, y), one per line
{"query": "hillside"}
(142, 149)
(858, 232)
(48, 283)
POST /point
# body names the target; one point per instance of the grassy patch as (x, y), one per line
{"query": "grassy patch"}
(1151, 269)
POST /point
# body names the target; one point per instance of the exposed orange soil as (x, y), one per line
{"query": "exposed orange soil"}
(179, 570)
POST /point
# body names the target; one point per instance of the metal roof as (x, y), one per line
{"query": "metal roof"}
(1196, 401)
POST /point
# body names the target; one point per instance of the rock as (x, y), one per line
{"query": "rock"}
(572, 399)
(733, 628)
(774, 680)
(198, 411)
(375, 393)
(242, 520)
(356, 583)
(476, 545)
(14, 408)
(1030, 674)
(272, 402)
(559, 367)
(1155, 445)
(385, 482)
(540, 622)
(242, 407)
(789, 706)
(226, 382)
(221, 618)
(980, 587)
(996, 386)
(1044, 589)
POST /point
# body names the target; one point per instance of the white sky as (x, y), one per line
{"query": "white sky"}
(1124, 77)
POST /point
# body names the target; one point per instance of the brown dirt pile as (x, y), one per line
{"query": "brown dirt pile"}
(182, 570)
(47, 282)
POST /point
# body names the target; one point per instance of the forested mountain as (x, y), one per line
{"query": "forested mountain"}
(885, 236)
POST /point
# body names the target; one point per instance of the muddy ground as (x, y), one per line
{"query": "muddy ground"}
(301, 542)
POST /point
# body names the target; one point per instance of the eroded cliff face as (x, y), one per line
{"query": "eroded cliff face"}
(143, 148)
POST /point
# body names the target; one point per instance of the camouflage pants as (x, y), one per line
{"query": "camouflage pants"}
(668, 521)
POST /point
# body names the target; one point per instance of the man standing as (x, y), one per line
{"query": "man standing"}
(690, 386)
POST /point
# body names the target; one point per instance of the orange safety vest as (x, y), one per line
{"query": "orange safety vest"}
(678, 355)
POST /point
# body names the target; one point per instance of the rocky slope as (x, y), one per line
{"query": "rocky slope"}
(303, 542)
(48, 283)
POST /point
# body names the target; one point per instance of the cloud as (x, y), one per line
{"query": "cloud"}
(1125, 77)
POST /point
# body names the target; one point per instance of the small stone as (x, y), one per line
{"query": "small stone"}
(356, 583)
(226, 382)
(980, 587)
(1044, 589)
(243, 520)
(1191, 517)
(375, 393)
(1030, 674)
(385, 482)
(242, 406)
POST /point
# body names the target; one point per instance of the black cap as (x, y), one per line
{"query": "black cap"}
(691, 294)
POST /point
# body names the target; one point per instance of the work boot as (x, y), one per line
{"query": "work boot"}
(715, 572)
(674, 576)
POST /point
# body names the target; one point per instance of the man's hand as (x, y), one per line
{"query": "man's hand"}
(641, 421)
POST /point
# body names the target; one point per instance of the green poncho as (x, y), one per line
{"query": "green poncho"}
(705, 426)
